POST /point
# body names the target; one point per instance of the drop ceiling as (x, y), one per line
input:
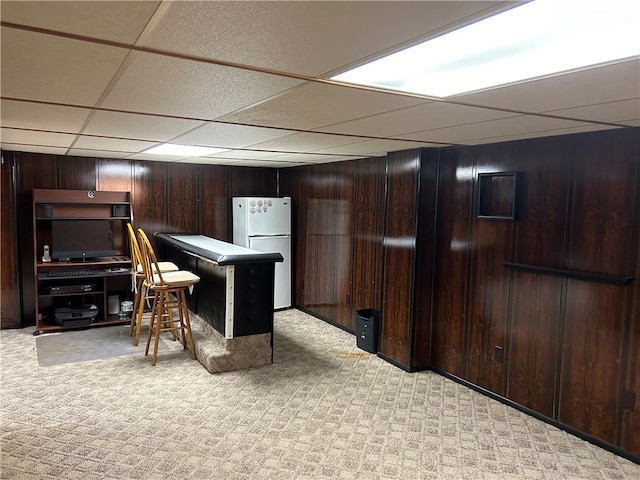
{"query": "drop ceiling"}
(111, 79)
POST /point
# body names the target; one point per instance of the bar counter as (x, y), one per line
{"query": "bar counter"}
(234, 297)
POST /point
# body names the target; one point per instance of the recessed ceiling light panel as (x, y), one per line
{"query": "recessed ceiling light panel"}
(536, 39)
(176, 150)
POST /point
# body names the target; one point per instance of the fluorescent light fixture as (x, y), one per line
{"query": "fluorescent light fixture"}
(536, 39)
(176, 150)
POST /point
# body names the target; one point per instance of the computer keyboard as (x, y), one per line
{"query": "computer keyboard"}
(72, 273)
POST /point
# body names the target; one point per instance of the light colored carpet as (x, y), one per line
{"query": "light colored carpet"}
(85, 345)
(323, 410)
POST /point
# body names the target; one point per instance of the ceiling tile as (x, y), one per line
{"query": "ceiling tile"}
(240, 163)
(57, 69)
(121, 21)
(309, 38)
(24, 137)
(623, 112)
(81, 152)
(306, 157)
(141, 127)
(414, 119)
(42, 117)
(315, 105)
(184, 88)
(373, 148)
(112, 144)
(536, 134)
(607, 83)
(229, 136)
(494, 131)
(155, 158)
(34, 148)
(241, 154)
(186, 96)
(305, 142)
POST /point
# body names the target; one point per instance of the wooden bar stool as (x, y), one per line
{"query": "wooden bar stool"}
(168, 295)
(138, 285)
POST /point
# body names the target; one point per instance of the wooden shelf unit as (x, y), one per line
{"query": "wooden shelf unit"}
(70, 283)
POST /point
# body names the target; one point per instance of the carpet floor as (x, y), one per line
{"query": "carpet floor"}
(85, 345)
(323, 410)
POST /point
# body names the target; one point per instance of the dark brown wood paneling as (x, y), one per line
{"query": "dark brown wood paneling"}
(603, 203)
(488, 304)
(489, 280)
(325, 209)
(603, 239)
(182, 198)
(546, 184)
(425, 244)
(591, 358)
(630, 421)
(252, 182)
(149, 196)
(214, 207)
(454, 246)
(10, 309)
(115, 175)
(630, 401)
(399, 256)
(572, 350)
(77, 173)
(337, 241)
(312, 241)
(367, 235)
(534, 341)
(33, 171)
(342, 244)
(298, 193)
(536, 319)
(154, 188)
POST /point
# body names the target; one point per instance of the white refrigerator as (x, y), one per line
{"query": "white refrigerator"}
(264, 224)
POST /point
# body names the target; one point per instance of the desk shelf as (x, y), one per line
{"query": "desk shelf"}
(100, 277)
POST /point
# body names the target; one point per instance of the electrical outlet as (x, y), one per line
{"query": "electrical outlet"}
(499, 354)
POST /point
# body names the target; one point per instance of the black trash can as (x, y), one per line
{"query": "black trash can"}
(367, 324)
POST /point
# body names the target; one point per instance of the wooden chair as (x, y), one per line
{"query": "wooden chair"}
(137, 280)
(169, 294)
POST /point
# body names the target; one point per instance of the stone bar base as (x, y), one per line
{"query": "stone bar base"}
(218, 354)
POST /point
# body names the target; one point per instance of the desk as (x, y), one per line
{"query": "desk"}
(61, 284)
(235, 292)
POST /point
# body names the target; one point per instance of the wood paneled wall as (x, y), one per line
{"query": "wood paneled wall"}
(167, 197)
(9, 284)
(338, 211)
(356, 227)
(399, 255)
(562, 346)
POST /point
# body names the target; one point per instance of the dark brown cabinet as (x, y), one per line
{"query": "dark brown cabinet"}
(70, 280)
